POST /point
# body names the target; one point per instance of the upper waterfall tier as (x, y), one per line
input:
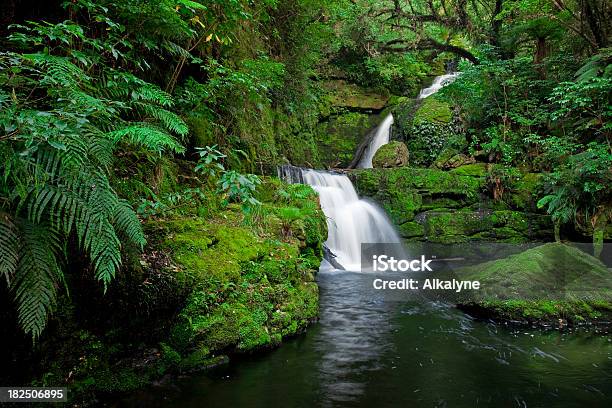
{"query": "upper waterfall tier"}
(438, 83)
(383, 132)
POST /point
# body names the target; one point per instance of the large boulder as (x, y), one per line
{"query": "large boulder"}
(549, 282)
(392, 154)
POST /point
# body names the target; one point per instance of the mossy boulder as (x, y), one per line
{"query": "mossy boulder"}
(433, 110)
(392, 154)
(549, 282)
(249, 288)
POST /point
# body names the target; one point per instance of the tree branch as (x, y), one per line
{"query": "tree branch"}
(427, 44)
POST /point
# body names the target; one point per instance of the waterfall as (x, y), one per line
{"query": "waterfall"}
(380, 138)
(438, 83)
(350, 220)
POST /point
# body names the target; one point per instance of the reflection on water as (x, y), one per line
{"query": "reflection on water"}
(368, 352)
(352, 340)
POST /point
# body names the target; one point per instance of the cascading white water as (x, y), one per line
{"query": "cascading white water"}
(380, 138)
(350, 221)
(438, 83)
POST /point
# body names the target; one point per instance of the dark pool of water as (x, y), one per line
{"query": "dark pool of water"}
(367, 351)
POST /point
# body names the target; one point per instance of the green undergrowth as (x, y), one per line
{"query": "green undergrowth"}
(252, 277)
(236, 281)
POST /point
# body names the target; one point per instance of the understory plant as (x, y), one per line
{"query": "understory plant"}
(66, 108)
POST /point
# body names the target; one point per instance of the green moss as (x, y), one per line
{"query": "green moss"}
(244, 281)
(404, 191)
(208, 250)
(474, 170)
(343, 94)
(411, 230)
(503, 226)
(392, 154)
(338, 138)
(433, 110)
(549, 281)
(524, 192)
(119, 380)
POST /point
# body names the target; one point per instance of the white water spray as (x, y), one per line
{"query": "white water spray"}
(438, 83)
(350, 221)
(380, 138)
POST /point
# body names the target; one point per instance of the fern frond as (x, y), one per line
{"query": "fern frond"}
(86, 103)
(49, 161)
(36, 277)
(170, 120)
(74, 152)
(9, 250)
(147, 136)
(104, 249)
(101, 150)
(152, 93)
(59, 70)
(126, 221)
(176, 50)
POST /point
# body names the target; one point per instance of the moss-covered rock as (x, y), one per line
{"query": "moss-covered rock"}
(249, 289)
(549, 282)
(474, 170)
(448, 206)
(405, 191)
(354, 97)
(524, 192)
(454, 161)
(433, 110)
(450, 227)
(392, 154)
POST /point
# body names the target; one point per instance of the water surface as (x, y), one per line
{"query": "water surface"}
(367, 351)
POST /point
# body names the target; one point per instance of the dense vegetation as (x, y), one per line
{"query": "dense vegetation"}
(115, 114)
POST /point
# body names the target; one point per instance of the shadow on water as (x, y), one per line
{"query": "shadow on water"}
(367, 351)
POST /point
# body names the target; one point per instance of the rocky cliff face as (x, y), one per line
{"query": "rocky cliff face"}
(453, 206)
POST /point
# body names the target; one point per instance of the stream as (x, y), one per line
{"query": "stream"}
(368, 351)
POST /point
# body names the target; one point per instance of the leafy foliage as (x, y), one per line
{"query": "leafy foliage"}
(68, 111)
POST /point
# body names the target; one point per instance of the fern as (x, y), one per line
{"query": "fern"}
(62, 128)
(148, 136)
(170, 120)
(37, 277)
(9, 250)
(152, 93)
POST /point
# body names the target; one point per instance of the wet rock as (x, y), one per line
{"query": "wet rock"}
(393, 154)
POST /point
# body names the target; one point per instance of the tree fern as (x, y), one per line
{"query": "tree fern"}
(36, 277)
(62, 129)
